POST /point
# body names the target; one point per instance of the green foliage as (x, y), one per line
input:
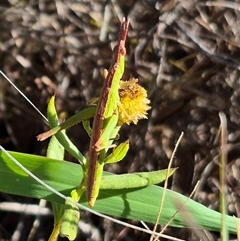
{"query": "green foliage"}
(70, 219)
(118, 153)
(137, 203)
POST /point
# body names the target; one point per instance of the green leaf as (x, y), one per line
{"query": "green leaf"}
(61, 136)
(137, 204)
(118, 153)
(135, 180)
(70, 220)
(66, 217)
(55, 150)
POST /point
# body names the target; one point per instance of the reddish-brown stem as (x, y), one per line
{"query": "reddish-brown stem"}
(99, 115)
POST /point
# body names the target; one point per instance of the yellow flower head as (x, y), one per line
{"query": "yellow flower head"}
(133, 104)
